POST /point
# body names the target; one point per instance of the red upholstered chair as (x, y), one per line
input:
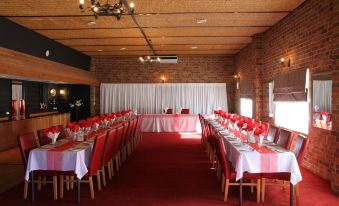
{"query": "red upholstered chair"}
(107, 156)
(116, 147)
(169, 111)
(284, 138)
(228, 174)
(26, 143)
(299, 151)
(62, 130)
(185, 111)
(94, 165)
(272, 133)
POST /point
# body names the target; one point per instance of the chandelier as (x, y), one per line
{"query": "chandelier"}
(107, 9)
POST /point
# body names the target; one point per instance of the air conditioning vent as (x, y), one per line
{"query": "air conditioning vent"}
(168, 59)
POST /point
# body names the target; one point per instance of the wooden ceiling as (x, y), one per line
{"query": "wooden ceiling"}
(170, 25)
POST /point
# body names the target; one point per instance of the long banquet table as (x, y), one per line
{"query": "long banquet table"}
(170, 123)
(252, 158)
(65, 155)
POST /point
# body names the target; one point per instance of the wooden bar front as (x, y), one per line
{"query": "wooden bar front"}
(10, 130)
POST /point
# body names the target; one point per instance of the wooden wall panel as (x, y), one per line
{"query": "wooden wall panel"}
(23, 65)
(10, 130)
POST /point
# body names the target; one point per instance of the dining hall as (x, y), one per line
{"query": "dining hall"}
(145, 102)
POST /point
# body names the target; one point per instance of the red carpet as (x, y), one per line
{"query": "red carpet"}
(170, 169)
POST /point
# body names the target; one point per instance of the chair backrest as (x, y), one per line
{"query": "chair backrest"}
(125, 131)
(108, 146)
(299, 148)
(272, 133)
(117, 140)
(97, 152)
(284, 138)
(267, 126)
(43, 140)
(26, 143)
(225, 164)
(185, 111)
(62, 130)
(169, 111)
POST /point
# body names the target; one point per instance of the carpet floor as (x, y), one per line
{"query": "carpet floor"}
(173, 169)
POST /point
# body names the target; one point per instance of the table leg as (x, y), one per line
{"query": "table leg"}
(32, 185)
(291, 194)
(240, 192)
(78, 190)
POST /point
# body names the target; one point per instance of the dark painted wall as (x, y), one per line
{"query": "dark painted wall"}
(38, 92)
(19, 38)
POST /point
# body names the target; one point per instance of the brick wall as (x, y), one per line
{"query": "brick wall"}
(189, 69)
(308, 37)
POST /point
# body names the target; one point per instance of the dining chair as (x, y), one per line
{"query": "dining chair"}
(228, 173)
(94, 166)
(185, 111)
(284, 138)
(27, 142)
(107, 156)
(116, 148)
(169, 111)
(299, 151)
(272, 133)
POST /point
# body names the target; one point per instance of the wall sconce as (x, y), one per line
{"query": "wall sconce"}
(163, 79)
(52, 92)
(284, 63)
(236, 78)
(62, 92)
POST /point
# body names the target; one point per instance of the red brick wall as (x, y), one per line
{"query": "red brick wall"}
(189, 69)
(308, 37)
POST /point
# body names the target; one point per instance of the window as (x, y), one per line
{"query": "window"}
(292, 115)
(246, 107)
(270, 99)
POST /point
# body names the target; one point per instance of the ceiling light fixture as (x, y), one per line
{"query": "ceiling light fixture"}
(150, 59)
(91, 23)
(201, 21)
(194, 47)
(122, 48)
(107, 9)
(99, 50)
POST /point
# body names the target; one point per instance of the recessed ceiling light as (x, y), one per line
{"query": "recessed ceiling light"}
(131, 5)
(201, 21)
(99, 50)
(122, 48)
(91, 23)
(3, 76)
(194, 47)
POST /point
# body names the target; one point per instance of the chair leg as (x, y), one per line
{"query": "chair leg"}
(72, 182)
(252, 187)
(67, 182)
(297, 194)
(258, 190)
(98, 180)
(39, 183)
(44, 182)
(25, 189)
(109, 168)
(90, 180)
(112, 167)
(117, 162)
(263, 189)
(227, 185)
(103, 172)
(61, 185)
(222, 183)
(55, 187)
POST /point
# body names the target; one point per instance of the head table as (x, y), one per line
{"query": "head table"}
(170, 123)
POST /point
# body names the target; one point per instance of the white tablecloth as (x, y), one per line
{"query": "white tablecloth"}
(170, 123)
(253, 161)
(74, 159)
